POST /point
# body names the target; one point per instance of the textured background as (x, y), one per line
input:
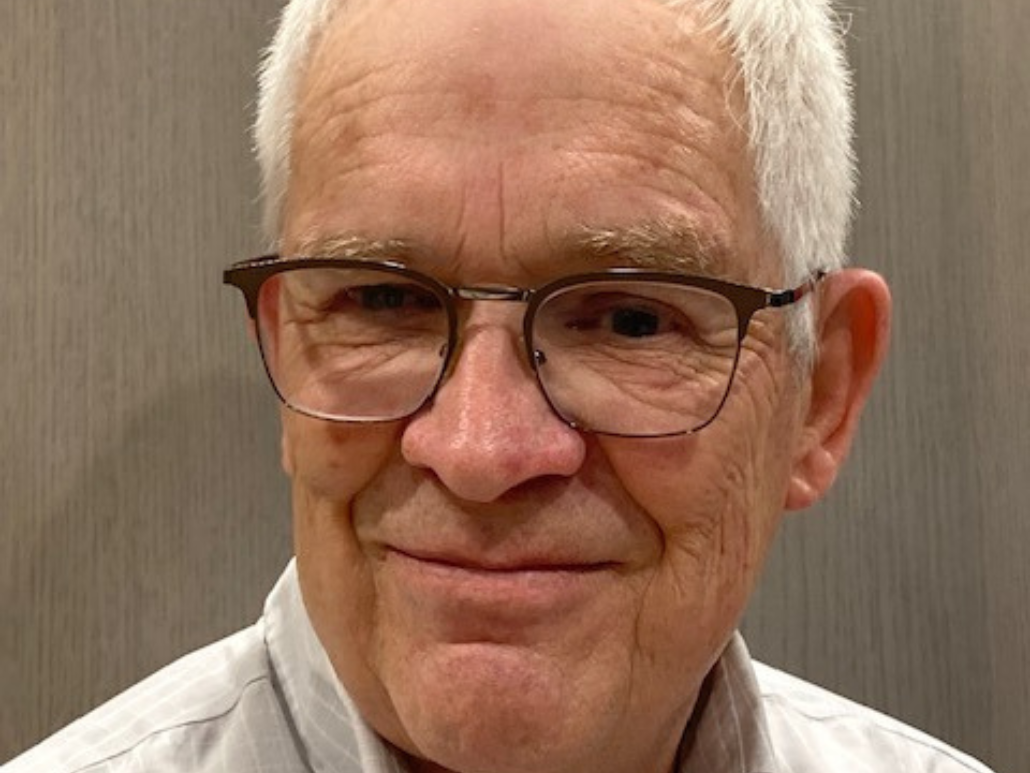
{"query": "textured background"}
(141, 509)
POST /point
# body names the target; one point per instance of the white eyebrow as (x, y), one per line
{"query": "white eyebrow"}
(658, 244)
(355, 248)
(662, 245)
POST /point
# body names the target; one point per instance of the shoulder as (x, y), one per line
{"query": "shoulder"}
(215, 709)
(811, 726)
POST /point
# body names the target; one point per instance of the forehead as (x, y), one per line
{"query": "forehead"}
(531, 118)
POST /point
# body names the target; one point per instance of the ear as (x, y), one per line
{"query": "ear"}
(852, 329)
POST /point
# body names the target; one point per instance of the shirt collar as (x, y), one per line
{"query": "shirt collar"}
(326, 722)
(728, 733)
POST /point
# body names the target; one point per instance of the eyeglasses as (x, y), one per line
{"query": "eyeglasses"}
(626, 352)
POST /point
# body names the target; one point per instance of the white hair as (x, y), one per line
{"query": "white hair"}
(790, 57)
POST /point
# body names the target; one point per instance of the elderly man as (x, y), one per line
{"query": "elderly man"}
(540, 418)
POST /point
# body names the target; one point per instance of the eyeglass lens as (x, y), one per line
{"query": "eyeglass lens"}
(626, 357)
(347, 344)
(634, 357)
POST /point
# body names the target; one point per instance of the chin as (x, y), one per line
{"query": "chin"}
(489, 708)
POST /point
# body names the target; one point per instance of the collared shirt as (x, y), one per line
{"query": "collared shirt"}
(267, 700)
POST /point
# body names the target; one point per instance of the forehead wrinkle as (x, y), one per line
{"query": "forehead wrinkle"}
(655, 79)
(669, 110)
(333, 105)
(663, 245)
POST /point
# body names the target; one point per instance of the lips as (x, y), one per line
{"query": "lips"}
(454, 597)
(528, 563)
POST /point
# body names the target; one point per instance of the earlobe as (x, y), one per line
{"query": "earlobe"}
(852, 331)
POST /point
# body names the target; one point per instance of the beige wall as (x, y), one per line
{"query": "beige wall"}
(141, 512)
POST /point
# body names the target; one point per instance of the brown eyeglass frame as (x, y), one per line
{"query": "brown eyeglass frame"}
(249, 275)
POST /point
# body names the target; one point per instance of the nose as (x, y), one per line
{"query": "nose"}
(489, 428)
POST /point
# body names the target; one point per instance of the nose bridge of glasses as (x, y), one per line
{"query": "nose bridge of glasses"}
(492, 293)
(477, 316)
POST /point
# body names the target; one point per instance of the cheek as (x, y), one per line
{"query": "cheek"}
(716, 498)
(329, 466)
(703, 497)
(331, 462)
(690, 484)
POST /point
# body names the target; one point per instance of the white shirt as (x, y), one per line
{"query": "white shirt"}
(267, 700)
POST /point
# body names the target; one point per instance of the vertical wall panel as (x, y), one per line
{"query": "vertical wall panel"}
(135, 421)
(999, 126)
(141, 509)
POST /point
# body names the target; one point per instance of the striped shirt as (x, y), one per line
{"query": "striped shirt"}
(266, 700)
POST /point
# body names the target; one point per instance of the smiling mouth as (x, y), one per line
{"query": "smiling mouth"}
(506, 567)
(475, 600)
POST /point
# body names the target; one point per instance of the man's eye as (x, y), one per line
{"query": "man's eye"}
(382, 297)
(614, 318)
(634, 323)
(379, 297)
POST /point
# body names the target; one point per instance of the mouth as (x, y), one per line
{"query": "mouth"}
(523, 565)
(472, 598)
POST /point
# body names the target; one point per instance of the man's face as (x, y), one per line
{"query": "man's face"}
(496, 590)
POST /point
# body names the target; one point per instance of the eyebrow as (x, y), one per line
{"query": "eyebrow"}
(664, 245)
(356, 248)
(661, 245)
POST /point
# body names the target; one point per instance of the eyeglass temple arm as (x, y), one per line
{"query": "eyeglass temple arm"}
(788, 297)
(247, 283)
